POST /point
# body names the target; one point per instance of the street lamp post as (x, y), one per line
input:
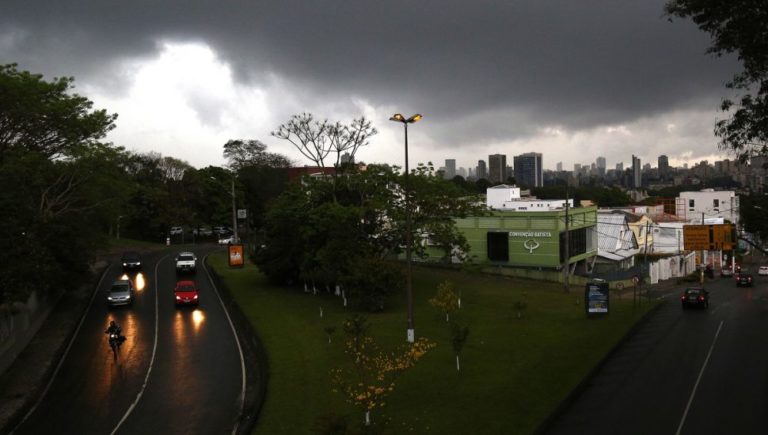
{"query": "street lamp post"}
(411, 336)
(234, 212)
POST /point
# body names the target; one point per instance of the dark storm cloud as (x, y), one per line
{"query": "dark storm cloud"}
(574, 64)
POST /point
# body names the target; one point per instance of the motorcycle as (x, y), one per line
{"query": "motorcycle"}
(115, 340)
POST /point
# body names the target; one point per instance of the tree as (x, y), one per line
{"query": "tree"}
(44, 117)
(459, 336)
(737, 26)
(446, 300)
(243, 153)
(370, 376)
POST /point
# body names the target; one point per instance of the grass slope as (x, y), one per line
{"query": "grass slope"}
(515, 371)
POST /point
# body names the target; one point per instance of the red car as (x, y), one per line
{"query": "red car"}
(186, 293)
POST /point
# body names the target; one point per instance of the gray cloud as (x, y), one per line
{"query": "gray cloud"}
(484, 71)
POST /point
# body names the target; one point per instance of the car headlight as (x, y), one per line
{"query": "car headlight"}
(138, 263)
(178, 298)
(195, 296)
(125, 264)
(109, 298)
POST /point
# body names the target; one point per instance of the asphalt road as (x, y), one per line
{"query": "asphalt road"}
(684, 371)
(179, 371)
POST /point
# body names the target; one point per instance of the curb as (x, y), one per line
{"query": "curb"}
(254, 353)
(568, 401)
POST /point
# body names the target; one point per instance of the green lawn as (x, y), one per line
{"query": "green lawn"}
(514, 371)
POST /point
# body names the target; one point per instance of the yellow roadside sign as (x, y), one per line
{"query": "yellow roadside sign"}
(708, 237)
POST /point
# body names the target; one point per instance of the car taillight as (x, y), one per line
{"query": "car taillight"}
(682, 297)
(749, 279)
(701, 298)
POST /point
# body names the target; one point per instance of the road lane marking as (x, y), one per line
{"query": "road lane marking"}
(696, 385)
(154, 351)
(239, 348)
(66, 352)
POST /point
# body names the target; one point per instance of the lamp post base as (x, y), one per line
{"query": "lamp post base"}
(411, 336)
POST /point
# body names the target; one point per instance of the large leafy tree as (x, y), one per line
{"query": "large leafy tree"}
(739, 27)
(45, 117)
(328, 234)
(59, 172)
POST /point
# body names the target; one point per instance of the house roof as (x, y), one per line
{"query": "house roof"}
(613, 233)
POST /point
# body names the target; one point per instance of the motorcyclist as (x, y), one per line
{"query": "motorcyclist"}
(113, 328)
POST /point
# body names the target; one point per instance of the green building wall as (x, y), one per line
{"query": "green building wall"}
(534, 237)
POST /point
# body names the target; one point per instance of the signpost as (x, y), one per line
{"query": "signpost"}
(596, 298)
(709, 237)
(236, 257)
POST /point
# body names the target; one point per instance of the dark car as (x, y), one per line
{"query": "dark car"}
(131, 261)
(695, 297)
(744, 279)
(121, 293)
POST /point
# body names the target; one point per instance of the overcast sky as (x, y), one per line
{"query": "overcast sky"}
(570, 79)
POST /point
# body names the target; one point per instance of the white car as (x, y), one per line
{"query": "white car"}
(175, 231)
(186, 262)
(762, 271)
(227, 240)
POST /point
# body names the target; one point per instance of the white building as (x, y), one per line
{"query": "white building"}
(706, 205)
(508, 198)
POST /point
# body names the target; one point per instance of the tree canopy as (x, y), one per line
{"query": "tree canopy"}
(739, 27)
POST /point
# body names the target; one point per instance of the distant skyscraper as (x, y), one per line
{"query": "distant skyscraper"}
(528, 170)
(462, 172)
(482, 171)
(559, 166)
(646, 167)
(497, 168)
(450, 168)
(601, 166)
(663, 167)
(620, 167)
(576, 168)
(636, 173)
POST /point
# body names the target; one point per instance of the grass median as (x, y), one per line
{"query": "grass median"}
(516, 367)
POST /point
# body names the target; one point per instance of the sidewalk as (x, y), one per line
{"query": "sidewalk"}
(27, 376)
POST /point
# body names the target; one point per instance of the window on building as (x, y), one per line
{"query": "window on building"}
(577, 243)
(498, 246)
(691, 203)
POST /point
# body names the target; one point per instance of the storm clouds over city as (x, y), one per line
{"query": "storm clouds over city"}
(571, 80)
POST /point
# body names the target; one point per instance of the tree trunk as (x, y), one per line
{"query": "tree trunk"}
(458, 367)
(367, 418)
(446, 317)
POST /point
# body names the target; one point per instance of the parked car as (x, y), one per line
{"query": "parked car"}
(186, 293)
(228, 240)
(762, 271)
(695, 297)
(221, 230)
(202, 231)
(121, 293)
(176, 231)
(186, 262)
(727, 272)
(744, 279)
(131, 261)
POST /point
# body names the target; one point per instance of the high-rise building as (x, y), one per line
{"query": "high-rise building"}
(601, 166)
(576, 168)
(450, 168)
(497, 168)
(647, 167)
(559, 166)
(663, 167)
(347, 158)
(620, 167)
(528, 170)
(636, 172)
(482, 171)
(462, 172)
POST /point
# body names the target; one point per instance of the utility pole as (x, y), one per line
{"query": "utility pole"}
(234, 212)
(566, 264)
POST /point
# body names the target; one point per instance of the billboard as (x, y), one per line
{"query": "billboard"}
(596, 298)
(236, 256)
(709, 237)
